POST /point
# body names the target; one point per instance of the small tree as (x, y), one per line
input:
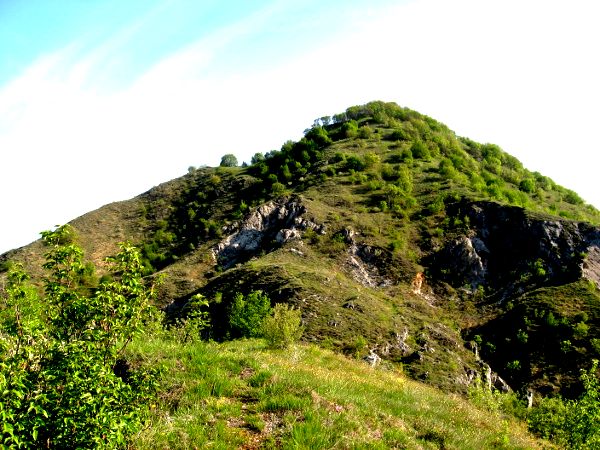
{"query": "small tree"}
(258, 157)
(64, 382)
(229, 160)
(283, 327)
(247, 314)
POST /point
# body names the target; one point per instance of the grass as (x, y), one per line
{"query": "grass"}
(240, 395)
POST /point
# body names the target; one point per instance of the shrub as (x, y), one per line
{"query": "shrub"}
(319, 136)
(64, 382)
(420, 150)
(247, 314)
(283, 327)
(571, 423)
(354, 163)
(278, 188)
(350, 128)
(365, 132)
(371, 159)
(527, 185)
(188, 329)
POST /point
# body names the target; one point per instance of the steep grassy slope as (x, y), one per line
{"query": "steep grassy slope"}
(340, 222)
(241, 395)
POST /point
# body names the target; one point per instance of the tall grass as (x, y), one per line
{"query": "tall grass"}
(242, 395)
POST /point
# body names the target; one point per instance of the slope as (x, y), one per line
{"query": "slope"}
(339, 224)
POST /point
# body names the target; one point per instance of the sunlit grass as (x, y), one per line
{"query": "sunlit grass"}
(241, 395)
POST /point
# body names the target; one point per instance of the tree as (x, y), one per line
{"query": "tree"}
(64, 382)
(229, 160)
(258, 157)
(283, 326)
(247, 314)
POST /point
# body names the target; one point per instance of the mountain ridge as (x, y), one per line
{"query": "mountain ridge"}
(340, 222)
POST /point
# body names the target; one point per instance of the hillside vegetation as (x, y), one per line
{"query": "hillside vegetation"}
(337, 226)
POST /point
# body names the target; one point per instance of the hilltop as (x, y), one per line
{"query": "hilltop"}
(340, 223)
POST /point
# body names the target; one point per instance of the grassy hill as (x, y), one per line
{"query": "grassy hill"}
(240, 394)
(338, 224)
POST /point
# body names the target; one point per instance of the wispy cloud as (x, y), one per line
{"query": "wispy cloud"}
(76, 123)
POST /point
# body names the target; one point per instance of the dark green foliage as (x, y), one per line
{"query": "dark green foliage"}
(258, 157)
(248, 313)
(350, 129)
(193, 322)
(398, 135)
(319, 136)
(229, 160)
(354, 163)
(64, 382)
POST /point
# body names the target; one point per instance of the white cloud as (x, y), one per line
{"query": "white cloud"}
(520, 74)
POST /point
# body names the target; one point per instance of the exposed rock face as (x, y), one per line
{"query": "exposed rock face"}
(590, 267)
(470, 257)
(504, 243)
(277, 220)
(365, 261)
(485, 375)
(372, 359)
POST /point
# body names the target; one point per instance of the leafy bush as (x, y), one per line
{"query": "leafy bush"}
(420, 150)
(572, 423)
(365, 132)
(195, 319)
(63, 380)
(370, 159)
(350, 129)
(527, 185)
(319, 136)
(354, 163)
(283, 327)
(247, 314)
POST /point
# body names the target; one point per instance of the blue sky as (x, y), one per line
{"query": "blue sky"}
(101, 100)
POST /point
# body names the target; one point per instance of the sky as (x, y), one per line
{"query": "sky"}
(100, 100)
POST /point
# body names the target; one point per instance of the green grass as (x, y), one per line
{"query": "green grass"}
(240, 395)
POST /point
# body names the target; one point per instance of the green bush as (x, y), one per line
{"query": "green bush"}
(188, 329)
(283, 327)
(64, 382)
(350, 129)
(365, 132)
(571, 423)
(354, 163)
(247, 314)
(420, 150)
(527, 185)
(370, 159)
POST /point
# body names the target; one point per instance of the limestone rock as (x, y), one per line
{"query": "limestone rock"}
(277, 220)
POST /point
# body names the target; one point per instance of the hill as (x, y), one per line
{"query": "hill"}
(342, 222)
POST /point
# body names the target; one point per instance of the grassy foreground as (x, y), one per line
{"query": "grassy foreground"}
(240, 394)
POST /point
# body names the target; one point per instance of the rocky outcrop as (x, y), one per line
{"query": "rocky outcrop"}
(590, 267)
(366, 262)
(506, 247)
(470, 256)
(276, 221)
